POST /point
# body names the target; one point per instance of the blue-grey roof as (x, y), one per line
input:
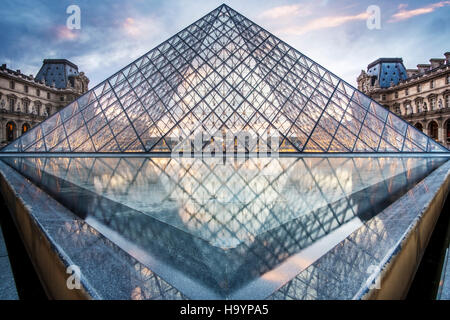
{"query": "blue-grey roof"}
(387, 71)
(57, 71)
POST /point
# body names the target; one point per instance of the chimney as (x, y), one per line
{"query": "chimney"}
(447, 57)
(423, 68)
(435, 63)
(411, 72)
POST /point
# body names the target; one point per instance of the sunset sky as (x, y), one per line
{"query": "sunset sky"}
(114, 33)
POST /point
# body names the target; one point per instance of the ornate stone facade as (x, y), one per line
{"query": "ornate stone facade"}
(422, 99)
(25, 101)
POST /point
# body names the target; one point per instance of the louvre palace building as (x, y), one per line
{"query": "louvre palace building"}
(421, 96)
(25, 100)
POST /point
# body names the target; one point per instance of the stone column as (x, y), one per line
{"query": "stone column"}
(2, 130)
(441, 133)
(18, 128)
(425, 129)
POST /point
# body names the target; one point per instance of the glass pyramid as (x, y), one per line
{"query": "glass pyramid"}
(220, 77)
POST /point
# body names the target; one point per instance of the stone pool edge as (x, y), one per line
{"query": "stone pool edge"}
(399, 269)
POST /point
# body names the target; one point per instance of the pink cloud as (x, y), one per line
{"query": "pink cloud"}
(286, 11)
(324, 23)
(404, 14)
(131, 27)
(140, 26)
(64, 33)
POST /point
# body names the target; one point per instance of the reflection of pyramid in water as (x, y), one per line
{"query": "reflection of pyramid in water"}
(223, 74)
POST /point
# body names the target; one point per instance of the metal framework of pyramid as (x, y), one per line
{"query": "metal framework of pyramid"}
(223, 74)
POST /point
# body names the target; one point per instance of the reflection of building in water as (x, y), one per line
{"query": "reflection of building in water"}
(26, 100)
(420, 96)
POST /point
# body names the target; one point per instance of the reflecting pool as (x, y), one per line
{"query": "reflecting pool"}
(222, 228)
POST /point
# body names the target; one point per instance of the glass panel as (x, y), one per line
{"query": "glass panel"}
(379, 111)
(52, 139)
(51, 123)
(79, 137)
(398, 124)
(69, 111)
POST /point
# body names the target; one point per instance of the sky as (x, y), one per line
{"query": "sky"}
(340, 35)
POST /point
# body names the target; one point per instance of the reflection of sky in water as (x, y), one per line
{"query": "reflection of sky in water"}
(242, 218)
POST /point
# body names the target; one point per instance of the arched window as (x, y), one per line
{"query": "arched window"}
(25, 128)
(419, 126)
(433, 130)
(10, 131)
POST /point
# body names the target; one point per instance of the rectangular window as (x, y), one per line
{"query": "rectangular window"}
(38, 92)
(12, 103)
(61, 98)
(48, 95)
(447, 80)
(418, 88)
(25, 106)
(396, 94)
(383, 97)
(431, 84)
(433, 103)
(406, 91)
(447, 101)
(12, 85)
(25, 88)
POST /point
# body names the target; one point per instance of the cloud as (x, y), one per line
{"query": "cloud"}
(324, 23)
(65, 34)
(404, 14)
(286, 11)
(140, 26)
(130, 26)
